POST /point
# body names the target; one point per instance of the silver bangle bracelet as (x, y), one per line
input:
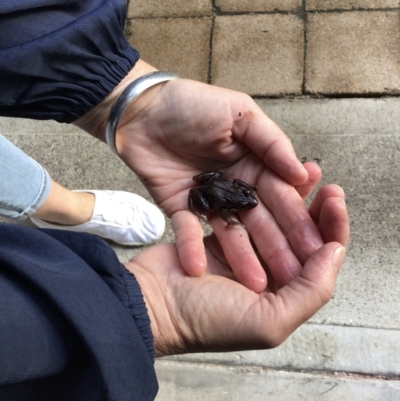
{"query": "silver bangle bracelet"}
(129, 95)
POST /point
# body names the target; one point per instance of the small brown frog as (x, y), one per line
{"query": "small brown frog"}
(215, 194)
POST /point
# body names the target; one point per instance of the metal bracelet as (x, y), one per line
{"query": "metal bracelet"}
(129, 95)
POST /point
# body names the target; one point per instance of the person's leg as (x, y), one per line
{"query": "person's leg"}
(66, 207)
(24, 183)
(26, 189)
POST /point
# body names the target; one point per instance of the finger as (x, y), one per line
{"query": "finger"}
(272, 245)
(314, 176)
(305, 295)
(219, 266)
(334, 222)
(291, 215)
(268, 142)
(189, 242)
(239, 253)
(326, 192)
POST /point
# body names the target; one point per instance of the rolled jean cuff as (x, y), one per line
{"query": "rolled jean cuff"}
(41, 196)
(24, 183)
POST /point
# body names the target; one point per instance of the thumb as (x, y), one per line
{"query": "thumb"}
(299, 300)
(322, 268)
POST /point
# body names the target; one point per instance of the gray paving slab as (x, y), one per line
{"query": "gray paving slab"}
(78, 161)
(349, 5)
(257, 5)
(320, 347)
(258, 54)
(168, 8)
(188, 48)
(26, 126)
(353, 52)
(322, 117)
(199, 382)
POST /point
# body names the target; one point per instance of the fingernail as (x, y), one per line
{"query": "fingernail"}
(338, 255)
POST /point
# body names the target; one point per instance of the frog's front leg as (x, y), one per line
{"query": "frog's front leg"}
(198, 204)
(226, 217)
(207, 178)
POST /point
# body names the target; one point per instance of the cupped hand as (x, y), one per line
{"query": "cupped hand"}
(217, 313)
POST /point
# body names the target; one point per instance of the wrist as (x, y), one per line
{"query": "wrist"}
(131, 93)
(94, 122)
(167, 341)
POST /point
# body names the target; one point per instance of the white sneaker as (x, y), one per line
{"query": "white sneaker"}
(123, 217)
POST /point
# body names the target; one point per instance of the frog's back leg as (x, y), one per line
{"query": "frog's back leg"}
(197, 204)
(226, 217)
(242, 184)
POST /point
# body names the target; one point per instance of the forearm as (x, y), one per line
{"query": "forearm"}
(95, 120)
(59, 62)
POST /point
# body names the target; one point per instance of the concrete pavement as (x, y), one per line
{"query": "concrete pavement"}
(328, 72)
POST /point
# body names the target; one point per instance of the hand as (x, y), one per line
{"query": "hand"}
(216, 313)
(182, 128)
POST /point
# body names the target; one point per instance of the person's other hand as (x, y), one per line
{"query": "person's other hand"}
(216, 313)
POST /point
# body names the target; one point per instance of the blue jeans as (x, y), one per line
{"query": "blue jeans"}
(24, 183)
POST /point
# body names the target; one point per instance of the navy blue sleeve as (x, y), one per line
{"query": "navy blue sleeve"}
(60, 58)
(73, 323)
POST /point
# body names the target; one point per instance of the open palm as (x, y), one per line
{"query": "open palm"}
(182, 128)
(216, 313)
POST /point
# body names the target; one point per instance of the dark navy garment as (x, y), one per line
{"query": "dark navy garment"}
(60, 58)
(73, 323)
